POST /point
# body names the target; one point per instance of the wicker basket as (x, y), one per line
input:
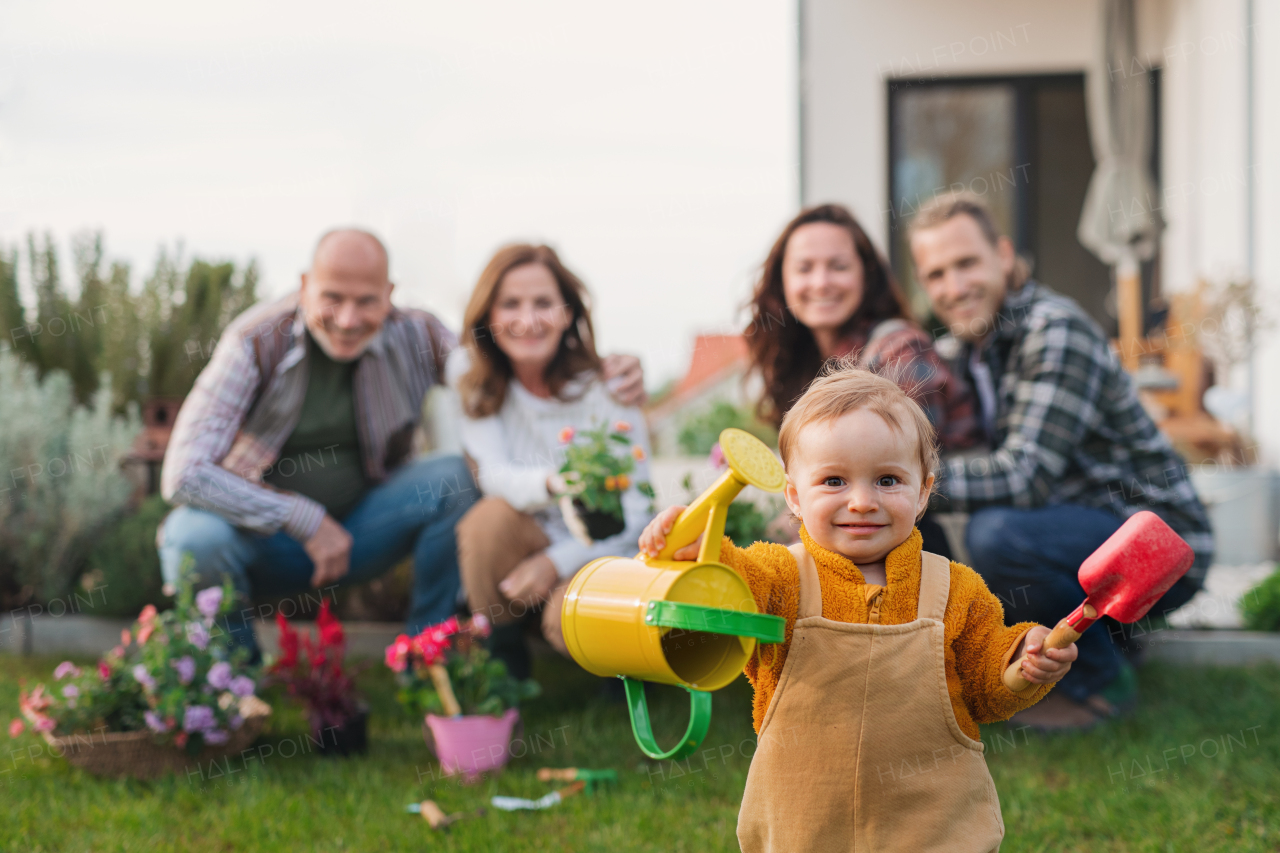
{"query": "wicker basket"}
(136, 755)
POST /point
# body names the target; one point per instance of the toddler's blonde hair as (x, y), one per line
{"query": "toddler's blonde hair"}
(842, 388)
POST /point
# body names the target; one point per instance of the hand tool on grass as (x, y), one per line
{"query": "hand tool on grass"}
(435, 816)
(592, 778)
(511, 804)
(1122, 579)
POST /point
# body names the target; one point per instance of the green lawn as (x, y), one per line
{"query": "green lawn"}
(1196, 769)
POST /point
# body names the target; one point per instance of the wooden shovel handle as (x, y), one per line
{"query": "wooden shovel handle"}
(1060, 637)
(440, 678)
(562, 774)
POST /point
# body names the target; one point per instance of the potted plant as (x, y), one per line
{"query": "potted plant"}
(595, 478)
(175, 690)
(314, 673)
(469, 702)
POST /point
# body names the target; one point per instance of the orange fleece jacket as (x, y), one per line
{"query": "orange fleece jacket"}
(978, 645)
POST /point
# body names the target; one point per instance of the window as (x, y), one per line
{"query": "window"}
(1023, 144)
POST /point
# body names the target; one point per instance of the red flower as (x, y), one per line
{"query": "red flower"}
(566, 435)
(330, 628)
(398, 653)
(104, 671)
(16, 727)
(288, 643)
(180, 739)
(430, 648)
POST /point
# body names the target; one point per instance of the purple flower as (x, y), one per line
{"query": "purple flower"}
(64, 669)
(198, 718)
(208, 601)
(220, 675)
(198, 635)
(155, 722)
(216, 736)
(71, 691)
(235, 721)
(242, 685)
(186, 668)
(143, 677)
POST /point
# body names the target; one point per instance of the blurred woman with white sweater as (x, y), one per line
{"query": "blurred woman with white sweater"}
(527, 375)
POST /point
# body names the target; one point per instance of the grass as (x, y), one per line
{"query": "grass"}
(1196, 768)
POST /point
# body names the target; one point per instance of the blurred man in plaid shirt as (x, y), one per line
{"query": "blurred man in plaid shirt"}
(1071, 452)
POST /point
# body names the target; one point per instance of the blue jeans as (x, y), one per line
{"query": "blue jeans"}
(1030, 559)
(413, 512)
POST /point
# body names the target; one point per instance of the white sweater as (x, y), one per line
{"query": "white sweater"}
(517, 449)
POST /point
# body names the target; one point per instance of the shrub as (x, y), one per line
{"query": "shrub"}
(60, 479)
(1261, 605)
(123, 569)
(700, 432)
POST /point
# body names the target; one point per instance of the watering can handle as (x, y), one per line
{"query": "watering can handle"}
(764, 627)
(699, 722)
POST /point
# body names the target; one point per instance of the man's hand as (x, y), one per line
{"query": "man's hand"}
(625, 378)
(654, 537)
(330, 549)
(1044, 666)
(531, 581)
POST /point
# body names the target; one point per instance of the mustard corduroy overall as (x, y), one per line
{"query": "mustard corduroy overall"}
(860, 749)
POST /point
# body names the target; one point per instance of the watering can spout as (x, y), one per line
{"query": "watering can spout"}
(689, 623)
(750, 463)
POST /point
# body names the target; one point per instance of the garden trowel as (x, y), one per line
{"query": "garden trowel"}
(1122, 579)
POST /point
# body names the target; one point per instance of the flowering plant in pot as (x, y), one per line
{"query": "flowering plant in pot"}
(595, 476)
(315, 673)
(175, 686)
(469, 701)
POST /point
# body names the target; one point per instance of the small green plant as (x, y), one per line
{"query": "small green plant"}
(123, 569)
(701, 432)
(1261, 605)
(596, 475)
(454, 653)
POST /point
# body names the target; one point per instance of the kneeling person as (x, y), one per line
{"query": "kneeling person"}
(291, 459)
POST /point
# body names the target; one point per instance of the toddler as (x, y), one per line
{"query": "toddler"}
(867, 714)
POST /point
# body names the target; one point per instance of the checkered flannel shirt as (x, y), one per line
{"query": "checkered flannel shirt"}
(1069, 427)
(247, 401)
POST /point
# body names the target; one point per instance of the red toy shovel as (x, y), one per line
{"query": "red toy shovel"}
(1122, 579)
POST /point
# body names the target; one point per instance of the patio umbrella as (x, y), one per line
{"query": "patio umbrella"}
(1120, 222)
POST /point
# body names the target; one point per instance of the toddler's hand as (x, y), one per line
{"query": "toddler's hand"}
(654, 537)
(1045, 666)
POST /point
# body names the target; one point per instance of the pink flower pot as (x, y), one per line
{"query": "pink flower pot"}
(471, 744)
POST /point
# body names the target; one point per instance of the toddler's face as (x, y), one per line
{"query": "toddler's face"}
(856, 483)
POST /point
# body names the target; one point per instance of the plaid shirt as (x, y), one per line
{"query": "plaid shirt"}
(1069, 427)
(247, 401)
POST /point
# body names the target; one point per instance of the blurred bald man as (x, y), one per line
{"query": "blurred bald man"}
(291, 460)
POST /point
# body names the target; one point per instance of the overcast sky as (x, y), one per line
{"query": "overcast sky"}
(654, 145)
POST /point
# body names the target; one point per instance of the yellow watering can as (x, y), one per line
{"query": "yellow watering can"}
(691, 623)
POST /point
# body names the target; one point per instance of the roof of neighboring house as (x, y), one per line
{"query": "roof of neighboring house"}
(715, 358)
